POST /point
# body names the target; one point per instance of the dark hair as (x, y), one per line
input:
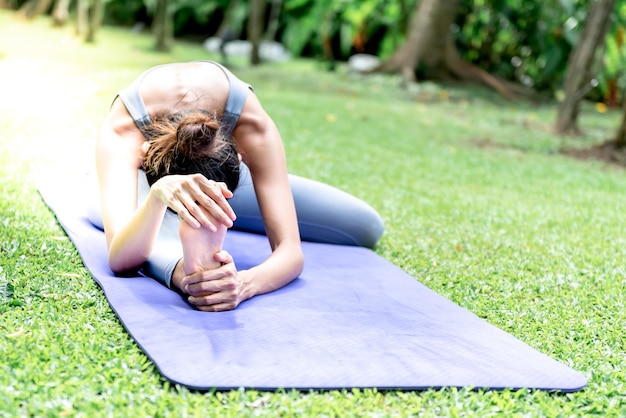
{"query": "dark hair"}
(189, 143)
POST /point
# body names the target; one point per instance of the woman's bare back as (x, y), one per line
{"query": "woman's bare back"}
(172, 88)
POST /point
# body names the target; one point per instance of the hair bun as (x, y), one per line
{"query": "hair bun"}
(196, 135)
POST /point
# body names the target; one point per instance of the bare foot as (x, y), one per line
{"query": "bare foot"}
(200, 246)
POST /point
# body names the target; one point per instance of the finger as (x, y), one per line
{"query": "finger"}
(220, 307)
(223, 257)
(190, 211)
(216, 211)
(225, 190)
(215, 200)
(185, 216)
(223, 284)
(202, 276)
(186, 208)
(203, 289)
(213, 299)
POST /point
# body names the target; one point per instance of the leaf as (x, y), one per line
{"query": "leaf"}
(569, 6)
(16, 334)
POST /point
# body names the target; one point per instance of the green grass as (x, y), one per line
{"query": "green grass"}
(478, 204)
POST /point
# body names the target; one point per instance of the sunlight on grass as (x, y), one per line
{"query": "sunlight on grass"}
(477, 201)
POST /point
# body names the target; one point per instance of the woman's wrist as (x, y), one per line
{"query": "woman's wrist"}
(247, 284)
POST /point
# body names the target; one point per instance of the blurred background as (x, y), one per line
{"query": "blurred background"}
(560, 51)
(526, 42)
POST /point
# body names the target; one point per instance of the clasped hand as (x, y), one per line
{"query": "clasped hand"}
(219, 289)
(188, 194)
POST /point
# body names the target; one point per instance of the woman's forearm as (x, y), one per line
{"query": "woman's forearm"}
(132, 244)
(281, 267)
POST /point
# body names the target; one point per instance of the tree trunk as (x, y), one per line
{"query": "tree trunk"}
(272, 26)
(82, 17)
(404, 15)
(96, 12)
(620, 138)
(34, 8)
(430, 46)
(61, 13)
(255, 29)
(163, 26)
(580, 65)
(227, 24)
(426, 34)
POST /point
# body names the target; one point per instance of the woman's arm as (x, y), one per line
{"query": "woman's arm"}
(130, 231)
(262, 149)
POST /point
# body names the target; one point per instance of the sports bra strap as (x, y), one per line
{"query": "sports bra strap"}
(237, 95)
(134, 104)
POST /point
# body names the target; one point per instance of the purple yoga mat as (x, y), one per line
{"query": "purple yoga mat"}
(351, 320)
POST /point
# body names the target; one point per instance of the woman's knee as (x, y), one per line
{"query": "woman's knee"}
(327, 214)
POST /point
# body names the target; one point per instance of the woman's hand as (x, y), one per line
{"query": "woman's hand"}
(220, 289)
(186, 194)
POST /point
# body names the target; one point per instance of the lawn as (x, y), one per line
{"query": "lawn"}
(479, 205)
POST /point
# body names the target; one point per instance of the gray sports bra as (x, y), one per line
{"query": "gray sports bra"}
(237, 95)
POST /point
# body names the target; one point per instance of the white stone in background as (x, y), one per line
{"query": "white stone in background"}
(268, 50)
(213, 45)
(361, 63)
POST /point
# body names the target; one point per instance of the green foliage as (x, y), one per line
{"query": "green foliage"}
(478, 205)
(612, 78)
(124, 12)
(304, 20)
(530, 42)
(196, 13)
(310, 23)
(524, 41)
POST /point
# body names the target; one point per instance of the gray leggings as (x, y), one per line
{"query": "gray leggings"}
(325, 214)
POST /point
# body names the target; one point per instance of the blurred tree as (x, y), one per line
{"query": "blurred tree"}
(96, 12)
(33, 8)
(82, 17)
(614, 64)
(61, 12)
(523, 41)
(227, 28)
(163, 25)
(335, 29)
(89, 15)
(256, 18)
(620, 139)
(429, 44)
(171, 17)
(580, 76)
(274, 19)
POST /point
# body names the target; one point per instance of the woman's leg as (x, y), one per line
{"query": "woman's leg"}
(200, 246)
(325, 213)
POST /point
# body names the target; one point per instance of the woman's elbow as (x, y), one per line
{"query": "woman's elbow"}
(122, 267)
(117, 268)
(298, 261)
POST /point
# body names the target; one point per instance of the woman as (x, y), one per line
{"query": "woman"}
(142, 233)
